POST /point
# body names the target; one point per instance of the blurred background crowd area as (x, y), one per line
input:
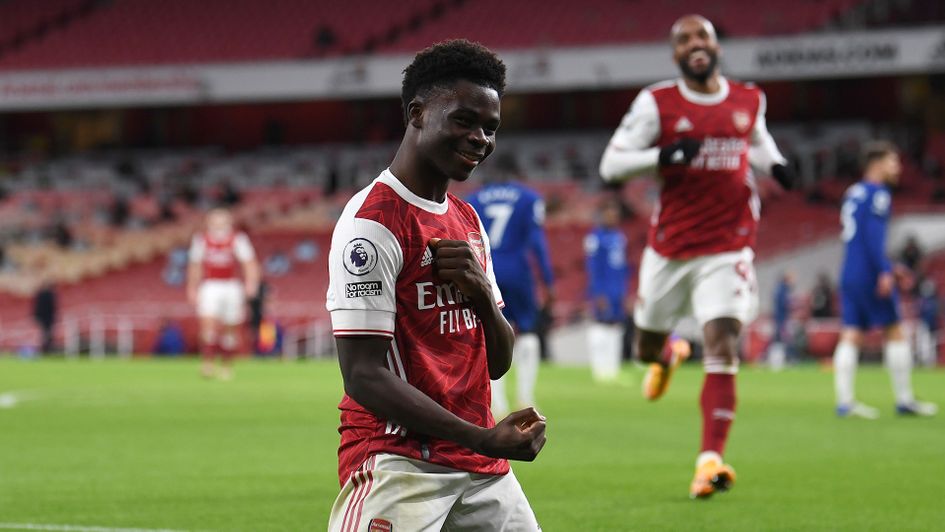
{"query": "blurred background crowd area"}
(98, 202)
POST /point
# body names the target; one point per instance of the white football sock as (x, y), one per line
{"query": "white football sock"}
(899, 363)
(527, 354)
(500, 404)
(604, 344)
(845, 359)
(707, 456)
(614, 351)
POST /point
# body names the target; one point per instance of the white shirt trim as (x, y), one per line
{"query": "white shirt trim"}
(391, 180)
(704, 99)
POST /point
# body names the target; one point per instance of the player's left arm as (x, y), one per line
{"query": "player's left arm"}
(764, 155)
(875, 238)
(539, 245)
(243, 249)
(455, 261)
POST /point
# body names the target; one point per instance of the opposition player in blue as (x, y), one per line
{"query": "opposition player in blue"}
(513, 216)
(608, 277)
(867, 287)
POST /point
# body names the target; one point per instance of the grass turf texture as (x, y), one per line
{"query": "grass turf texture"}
(148, 444)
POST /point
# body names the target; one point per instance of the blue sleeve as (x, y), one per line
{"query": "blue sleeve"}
(875, 231)
(539, 243)
(595, 277)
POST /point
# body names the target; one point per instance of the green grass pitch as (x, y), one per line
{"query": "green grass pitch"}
(148, 444)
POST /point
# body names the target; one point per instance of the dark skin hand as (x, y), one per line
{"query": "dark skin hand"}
(456, 262)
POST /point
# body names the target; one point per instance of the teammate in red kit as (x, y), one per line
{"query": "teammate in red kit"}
(217, 255)
(416, 315)
(702, 135)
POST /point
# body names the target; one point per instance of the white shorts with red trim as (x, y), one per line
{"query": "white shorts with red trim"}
(391, 493)
(223, 300)
(706, 288)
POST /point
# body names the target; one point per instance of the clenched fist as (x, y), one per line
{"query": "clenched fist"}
(520, 436)
(456, 262)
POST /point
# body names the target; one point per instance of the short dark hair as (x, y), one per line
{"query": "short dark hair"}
(875, 150)
(450, 61)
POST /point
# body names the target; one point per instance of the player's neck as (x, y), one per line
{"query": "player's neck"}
(875, 179)
(711, 85)
(423, 181)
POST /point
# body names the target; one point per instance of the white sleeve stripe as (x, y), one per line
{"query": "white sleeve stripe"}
(362, 332)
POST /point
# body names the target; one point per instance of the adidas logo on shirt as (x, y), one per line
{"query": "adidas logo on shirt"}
(683, 124)
(427, 258)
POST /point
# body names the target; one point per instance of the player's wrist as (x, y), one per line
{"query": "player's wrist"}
(472, 437)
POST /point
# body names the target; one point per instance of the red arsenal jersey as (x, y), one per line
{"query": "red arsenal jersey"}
(382, 283)
(710, 206)
(220, 257)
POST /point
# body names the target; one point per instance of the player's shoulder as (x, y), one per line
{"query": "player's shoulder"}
(660, 87)
(462, 207)
(374, 205)
(742, 86)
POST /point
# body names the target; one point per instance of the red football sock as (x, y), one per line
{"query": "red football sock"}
(718, 410)
(208, 352)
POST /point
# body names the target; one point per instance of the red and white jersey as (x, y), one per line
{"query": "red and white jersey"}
(711, 206)
(382, 284)
(221, 257)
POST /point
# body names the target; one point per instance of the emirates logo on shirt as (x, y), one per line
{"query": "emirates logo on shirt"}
(475, 242)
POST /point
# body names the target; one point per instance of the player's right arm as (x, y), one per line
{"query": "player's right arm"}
(367, 380)
(539, 246)
(194, 268)
(630, 152)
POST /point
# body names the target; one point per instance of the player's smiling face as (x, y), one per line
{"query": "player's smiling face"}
(459, 123)
(695, 48)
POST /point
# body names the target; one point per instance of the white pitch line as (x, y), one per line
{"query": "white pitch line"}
(77, 528)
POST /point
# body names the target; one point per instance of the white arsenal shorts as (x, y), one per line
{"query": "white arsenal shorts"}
(391, 493)
(223, 300)
(714, 286)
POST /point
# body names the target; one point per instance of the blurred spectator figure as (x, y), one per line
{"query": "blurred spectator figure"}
(324, 39)
(229, 195)
(277, 264)
(608, 274)
(778, 351)
(175, 271)
(5, 265)
(45, 309)
(821, 297)
(62, 235)
(269, 337)
(169, 340)
(332, 180)
(119, 212)
(257, 311)
(927, 329)
(307, 251)
(911, 254)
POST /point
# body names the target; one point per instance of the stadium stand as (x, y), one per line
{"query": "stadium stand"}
(69, 33)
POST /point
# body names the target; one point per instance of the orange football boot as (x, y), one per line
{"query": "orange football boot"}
(711, 476)
(657, 376)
